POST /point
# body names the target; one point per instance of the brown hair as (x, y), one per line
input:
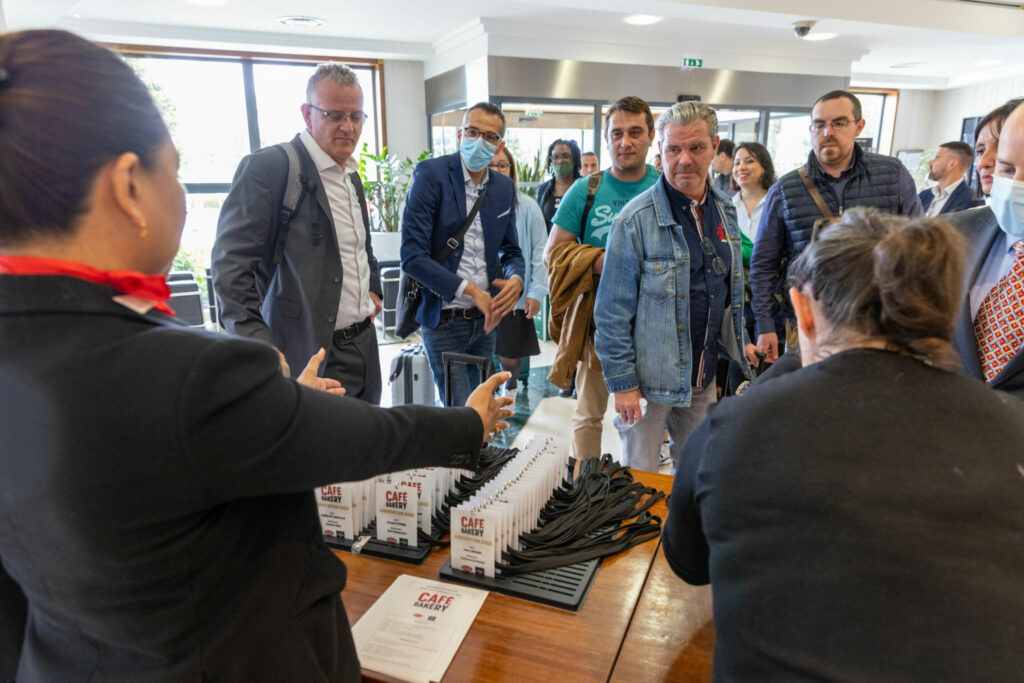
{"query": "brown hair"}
(878, 275)
(764, 157)
(962, 150)
(67, 108)
(997, 117)
(513, 173)
(631, 105)
(843, 94)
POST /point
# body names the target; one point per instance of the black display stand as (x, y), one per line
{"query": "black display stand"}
(374, 548)
(564, 587)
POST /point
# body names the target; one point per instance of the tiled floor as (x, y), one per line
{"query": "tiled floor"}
(539, 408)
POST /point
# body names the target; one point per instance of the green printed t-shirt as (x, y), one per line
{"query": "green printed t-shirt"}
(612, 195)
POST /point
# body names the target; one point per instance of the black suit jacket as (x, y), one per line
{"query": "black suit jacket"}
(980, 228)
(961, 199)
(156, 501)
(300, 306)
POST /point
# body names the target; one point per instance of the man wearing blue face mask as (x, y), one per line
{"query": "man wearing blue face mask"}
(990, 330)
(465, 295)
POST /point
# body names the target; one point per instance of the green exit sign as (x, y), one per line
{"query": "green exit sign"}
(692, 63)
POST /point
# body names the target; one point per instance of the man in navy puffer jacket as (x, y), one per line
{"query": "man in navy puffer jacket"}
(845, 176)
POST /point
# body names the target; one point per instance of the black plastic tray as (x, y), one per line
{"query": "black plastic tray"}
(375, 548)
(564, 587)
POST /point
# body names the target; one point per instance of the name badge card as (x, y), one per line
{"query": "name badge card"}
(472, 538)
(334, 503)
(396, 511)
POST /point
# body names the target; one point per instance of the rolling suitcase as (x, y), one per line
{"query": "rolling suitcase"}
(411, 381)
(450, 358)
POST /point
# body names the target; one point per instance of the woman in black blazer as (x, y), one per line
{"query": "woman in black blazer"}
(155, 483)
(861, 519)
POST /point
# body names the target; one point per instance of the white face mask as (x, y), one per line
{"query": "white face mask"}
(1007, 203)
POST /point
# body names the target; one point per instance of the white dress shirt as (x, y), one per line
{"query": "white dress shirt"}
(473, 264)
(748, 222)
(935, 208)
(355, 304)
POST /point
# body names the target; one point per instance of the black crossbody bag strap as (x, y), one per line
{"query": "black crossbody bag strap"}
(456, 239)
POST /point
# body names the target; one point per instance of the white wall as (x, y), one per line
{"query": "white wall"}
(405, 106)
(953, 106)
(3, 22)
(914, 115)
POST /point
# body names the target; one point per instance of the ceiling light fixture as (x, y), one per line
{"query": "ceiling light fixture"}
(987, 62)
(642, 19)
(908, 65)
(298, 21)
(820, 36)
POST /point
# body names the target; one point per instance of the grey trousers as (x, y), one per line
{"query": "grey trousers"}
(355, 363)
(641, 441)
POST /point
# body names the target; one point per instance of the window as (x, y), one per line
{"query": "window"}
(220, 108)
(789, 141)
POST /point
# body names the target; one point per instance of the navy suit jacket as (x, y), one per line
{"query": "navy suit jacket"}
(434, 210)
(980, 228)
(961, 199)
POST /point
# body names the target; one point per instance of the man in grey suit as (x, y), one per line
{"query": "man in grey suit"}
(322, 289)
(990, 328)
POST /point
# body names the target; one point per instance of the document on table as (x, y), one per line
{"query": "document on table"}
(413, 631)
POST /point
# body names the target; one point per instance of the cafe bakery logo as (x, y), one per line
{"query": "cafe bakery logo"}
(434, 601)
(396, 500)
(472, 526)
(330, 494)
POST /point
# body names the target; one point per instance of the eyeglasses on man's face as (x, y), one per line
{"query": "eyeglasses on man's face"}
(473, 133)
(356, 118)
(499, 165)
(838, 124)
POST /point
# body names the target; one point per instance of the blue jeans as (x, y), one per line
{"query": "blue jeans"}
(461, 336)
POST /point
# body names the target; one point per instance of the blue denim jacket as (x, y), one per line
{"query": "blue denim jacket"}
(643, 309)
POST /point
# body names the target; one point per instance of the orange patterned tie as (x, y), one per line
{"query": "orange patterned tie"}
(1000, 322)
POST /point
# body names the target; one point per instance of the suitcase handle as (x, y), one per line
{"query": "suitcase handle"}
(450, 357)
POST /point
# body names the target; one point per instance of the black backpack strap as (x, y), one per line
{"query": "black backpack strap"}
(357, 182)
(593, 182)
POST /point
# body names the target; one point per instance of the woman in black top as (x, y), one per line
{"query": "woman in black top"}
(861, 519)
(563, 163)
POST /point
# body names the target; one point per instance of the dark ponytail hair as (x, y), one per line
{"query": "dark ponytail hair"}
(881, 276)
(67, 108)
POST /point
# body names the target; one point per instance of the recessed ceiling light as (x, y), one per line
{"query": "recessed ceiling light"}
(642, 19)
(207, 3)
(820, 36)
(987, 62)
(298, 21)
(907, 65)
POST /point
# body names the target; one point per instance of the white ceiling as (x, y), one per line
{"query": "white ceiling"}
(945, 38)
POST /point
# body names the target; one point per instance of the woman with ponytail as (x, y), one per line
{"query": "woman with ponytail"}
(861, 518)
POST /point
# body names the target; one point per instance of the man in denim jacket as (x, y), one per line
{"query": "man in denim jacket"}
(671, 298)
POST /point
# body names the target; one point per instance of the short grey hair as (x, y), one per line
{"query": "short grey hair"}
(685, 113)
(337, 72)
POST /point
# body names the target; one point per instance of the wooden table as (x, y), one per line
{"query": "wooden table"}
(671, 636)
(519, 640)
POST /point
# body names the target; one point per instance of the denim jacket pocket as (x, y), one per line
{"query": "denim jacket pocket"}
(657, 281)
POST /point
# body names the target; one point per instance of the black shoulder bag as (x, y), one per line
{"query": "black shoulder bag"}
(410, 292)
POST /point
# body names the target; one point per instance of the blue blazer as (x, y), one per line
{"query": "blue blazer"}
(434, 210)
(961, 199)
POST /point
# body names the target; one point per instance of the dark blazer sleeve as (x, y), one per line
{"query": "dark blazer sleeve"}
(423, 210)
(686, 548)
(243, 229)
(251, 431)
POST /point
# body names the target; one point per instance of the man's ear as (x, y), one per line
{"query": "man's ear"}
(307, 112)
(804, 311)
(123, 176)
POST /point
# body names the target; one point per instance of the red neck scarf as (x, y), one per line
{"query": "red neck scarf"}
(149, 287)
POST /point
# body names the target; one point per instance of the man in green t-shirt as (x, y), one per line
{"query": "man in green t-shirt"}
(629, 133)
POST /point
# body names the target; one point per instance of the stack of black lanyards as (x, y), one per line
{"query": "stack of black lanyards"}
(584, 519)
(492, 459)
